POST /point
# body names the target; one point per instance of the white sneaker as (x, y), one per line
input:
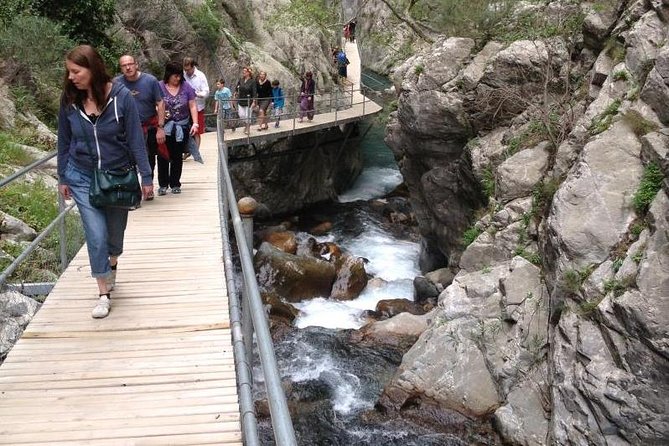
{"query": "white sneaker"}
(102, 308)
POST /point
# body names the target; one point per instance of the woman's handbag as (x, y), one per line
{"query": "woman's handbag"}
(115, 188)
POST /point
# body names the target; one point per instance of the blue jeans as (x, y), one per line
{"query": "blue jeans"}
(103, 227)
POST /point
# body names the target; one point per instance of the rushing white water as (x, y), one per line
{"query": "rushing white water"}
(373, 182)
(392, 261)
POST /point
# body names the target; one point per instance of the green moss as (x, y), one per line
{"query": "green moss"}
(488, 182)
(604, 120)
(469, 236)
(651, 182)
(11, 153)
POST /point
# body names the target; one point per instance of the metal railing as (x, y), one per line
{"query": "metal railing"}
(57, 222)
(248, 316)
(333, 102)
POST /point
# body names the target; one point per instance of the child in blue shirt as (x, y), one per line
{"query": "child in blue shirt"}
(223, 97)
(278, 100)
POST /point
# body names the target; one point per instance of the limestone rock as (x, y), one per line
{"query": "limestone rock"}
(592, 208)
(643, 43)
(656, 90)
(14, 229)
(16, 311)
(293, 277)
(518, 175)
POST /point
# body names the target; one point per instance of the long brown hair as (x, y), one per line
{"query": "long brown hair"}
(86, 56)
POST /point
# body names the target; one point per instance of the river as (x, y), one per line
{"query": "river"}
(334, 381)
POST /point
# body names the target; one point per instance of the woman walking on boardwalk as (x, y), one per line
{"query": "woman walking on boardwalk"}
(246, 94)
(98, 126)
(181, 123)
(264, 91)
(307, 91)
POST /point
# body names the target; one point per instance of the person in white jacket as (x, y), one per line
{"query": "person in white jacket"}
(198, 81)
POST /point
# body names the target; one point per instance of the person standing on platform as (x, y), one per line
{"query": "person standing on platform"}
(98, 127)
(180, 111)
(223, 104)
(342, 63)
(245, 93)
(146, 91)
(307, 91)
(264, 92)
(198, 81)
(278, 100)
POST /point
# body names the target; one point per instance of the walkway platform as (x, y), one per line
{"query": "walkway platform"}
(159, 369)
(361, 107)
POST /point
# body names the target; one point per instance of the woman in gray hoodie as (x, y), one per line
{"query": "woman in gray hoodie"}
(98, 120)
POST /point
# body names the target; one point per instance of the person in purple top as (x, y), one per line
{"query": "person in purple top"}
(180, 112)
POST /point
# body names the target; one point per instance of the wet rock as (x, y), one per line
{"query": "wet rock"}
(283, 240)
(293, 277)
(424, 290)
(402, 329)
(321, 229)
(391, 307)
(351, 278)
(441, 277)
(279, 309)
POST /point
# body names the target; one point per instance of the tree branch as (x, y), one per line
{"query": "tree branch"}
(411, 23)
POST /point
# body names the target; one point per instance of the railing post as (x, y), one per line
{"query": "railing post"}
(352, 94)
(364, 99)
(336, 104)
(247, 207)
(63, 235)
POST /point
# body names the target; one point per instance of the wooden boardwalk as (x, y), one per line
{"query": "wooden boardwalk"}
(159, 369)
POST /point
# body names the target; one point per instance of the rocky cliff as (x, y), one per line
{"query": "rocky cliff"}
(534, 168)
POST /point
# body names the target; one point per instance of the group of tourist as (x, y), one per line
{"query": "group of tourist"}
(135, 121)
(263, 96)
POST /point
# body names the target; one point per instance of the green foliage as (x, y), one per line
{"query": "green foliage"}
(32, 49)
(618, 287)
(533, 26)
(35, 204)
(532, 257)
(621, 75)
(572, 281)
(604, 120)
(44, 262)
(542, 196)
(615, 50)
(307, 14)
(639, 125)
(638, 256)
(469, 236)
(617, 263)
(206, 23)
(418, 70)
(11, 153)
(488, 182)
(533, 134)
(637, 228)
(651, 182)
(84, 21)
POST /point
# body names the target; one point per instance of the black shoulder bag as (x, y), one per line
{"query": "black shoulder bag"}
(117, 188)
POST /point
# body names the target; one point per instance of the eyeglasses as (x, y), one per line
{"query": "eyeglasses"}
(128, 65)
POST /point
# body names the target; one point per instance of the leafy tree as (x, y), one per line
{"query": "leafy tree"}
(85, 21)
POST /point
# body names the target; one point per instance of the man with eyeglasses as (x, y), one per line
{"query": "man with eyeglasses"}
(145, 89)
